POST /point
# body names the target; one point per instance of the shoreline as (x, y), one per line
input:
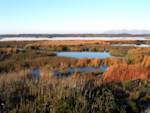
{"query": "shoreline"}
(73, 38)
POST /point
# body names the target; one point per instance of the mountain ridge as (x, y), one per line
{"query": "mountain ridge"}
(125, 31)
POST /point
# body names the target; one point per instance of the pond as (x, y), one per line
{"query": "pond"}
(35, 72)
(84, 54)
(71, 71)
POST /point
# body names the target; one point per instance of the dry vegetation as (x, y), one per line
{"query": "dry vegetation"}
(123, 88)
(126, 73)
(74, 94)
(86, 42)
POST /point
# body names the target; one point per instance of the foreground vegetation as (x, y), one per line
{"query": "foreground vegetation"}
(123, 88)
(20, 94)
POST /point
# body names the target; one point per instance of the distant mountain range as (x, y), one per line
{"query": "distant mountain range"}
(111, 33)
(124, 31)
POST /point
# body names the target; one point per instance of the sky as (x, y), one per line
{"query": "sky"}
(73, 16)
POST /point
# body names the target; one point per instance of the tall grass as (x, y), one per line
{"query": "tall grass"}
(75, 94)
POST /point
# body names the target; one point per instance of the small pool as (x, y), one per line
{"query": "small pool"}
(71, 71)
(84, 54)
(35, 73)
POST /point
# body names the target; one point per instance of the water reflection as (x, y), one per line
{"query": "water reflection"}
(35, 72)
(71, 71)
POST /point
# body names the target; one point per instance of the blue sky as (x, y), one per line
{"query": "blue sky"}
(73, 16)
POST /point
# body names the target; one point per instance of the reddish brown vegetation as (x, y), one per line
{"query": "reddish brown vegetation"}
(89, 62)
(114, 61)
(81, 42)
(69, 42)
(126, 72)
(146, 62)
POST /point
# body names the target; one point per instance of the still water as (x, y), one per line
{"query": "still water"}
(84, 54)
(71, 71)
(134, 45)
(35, 73)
